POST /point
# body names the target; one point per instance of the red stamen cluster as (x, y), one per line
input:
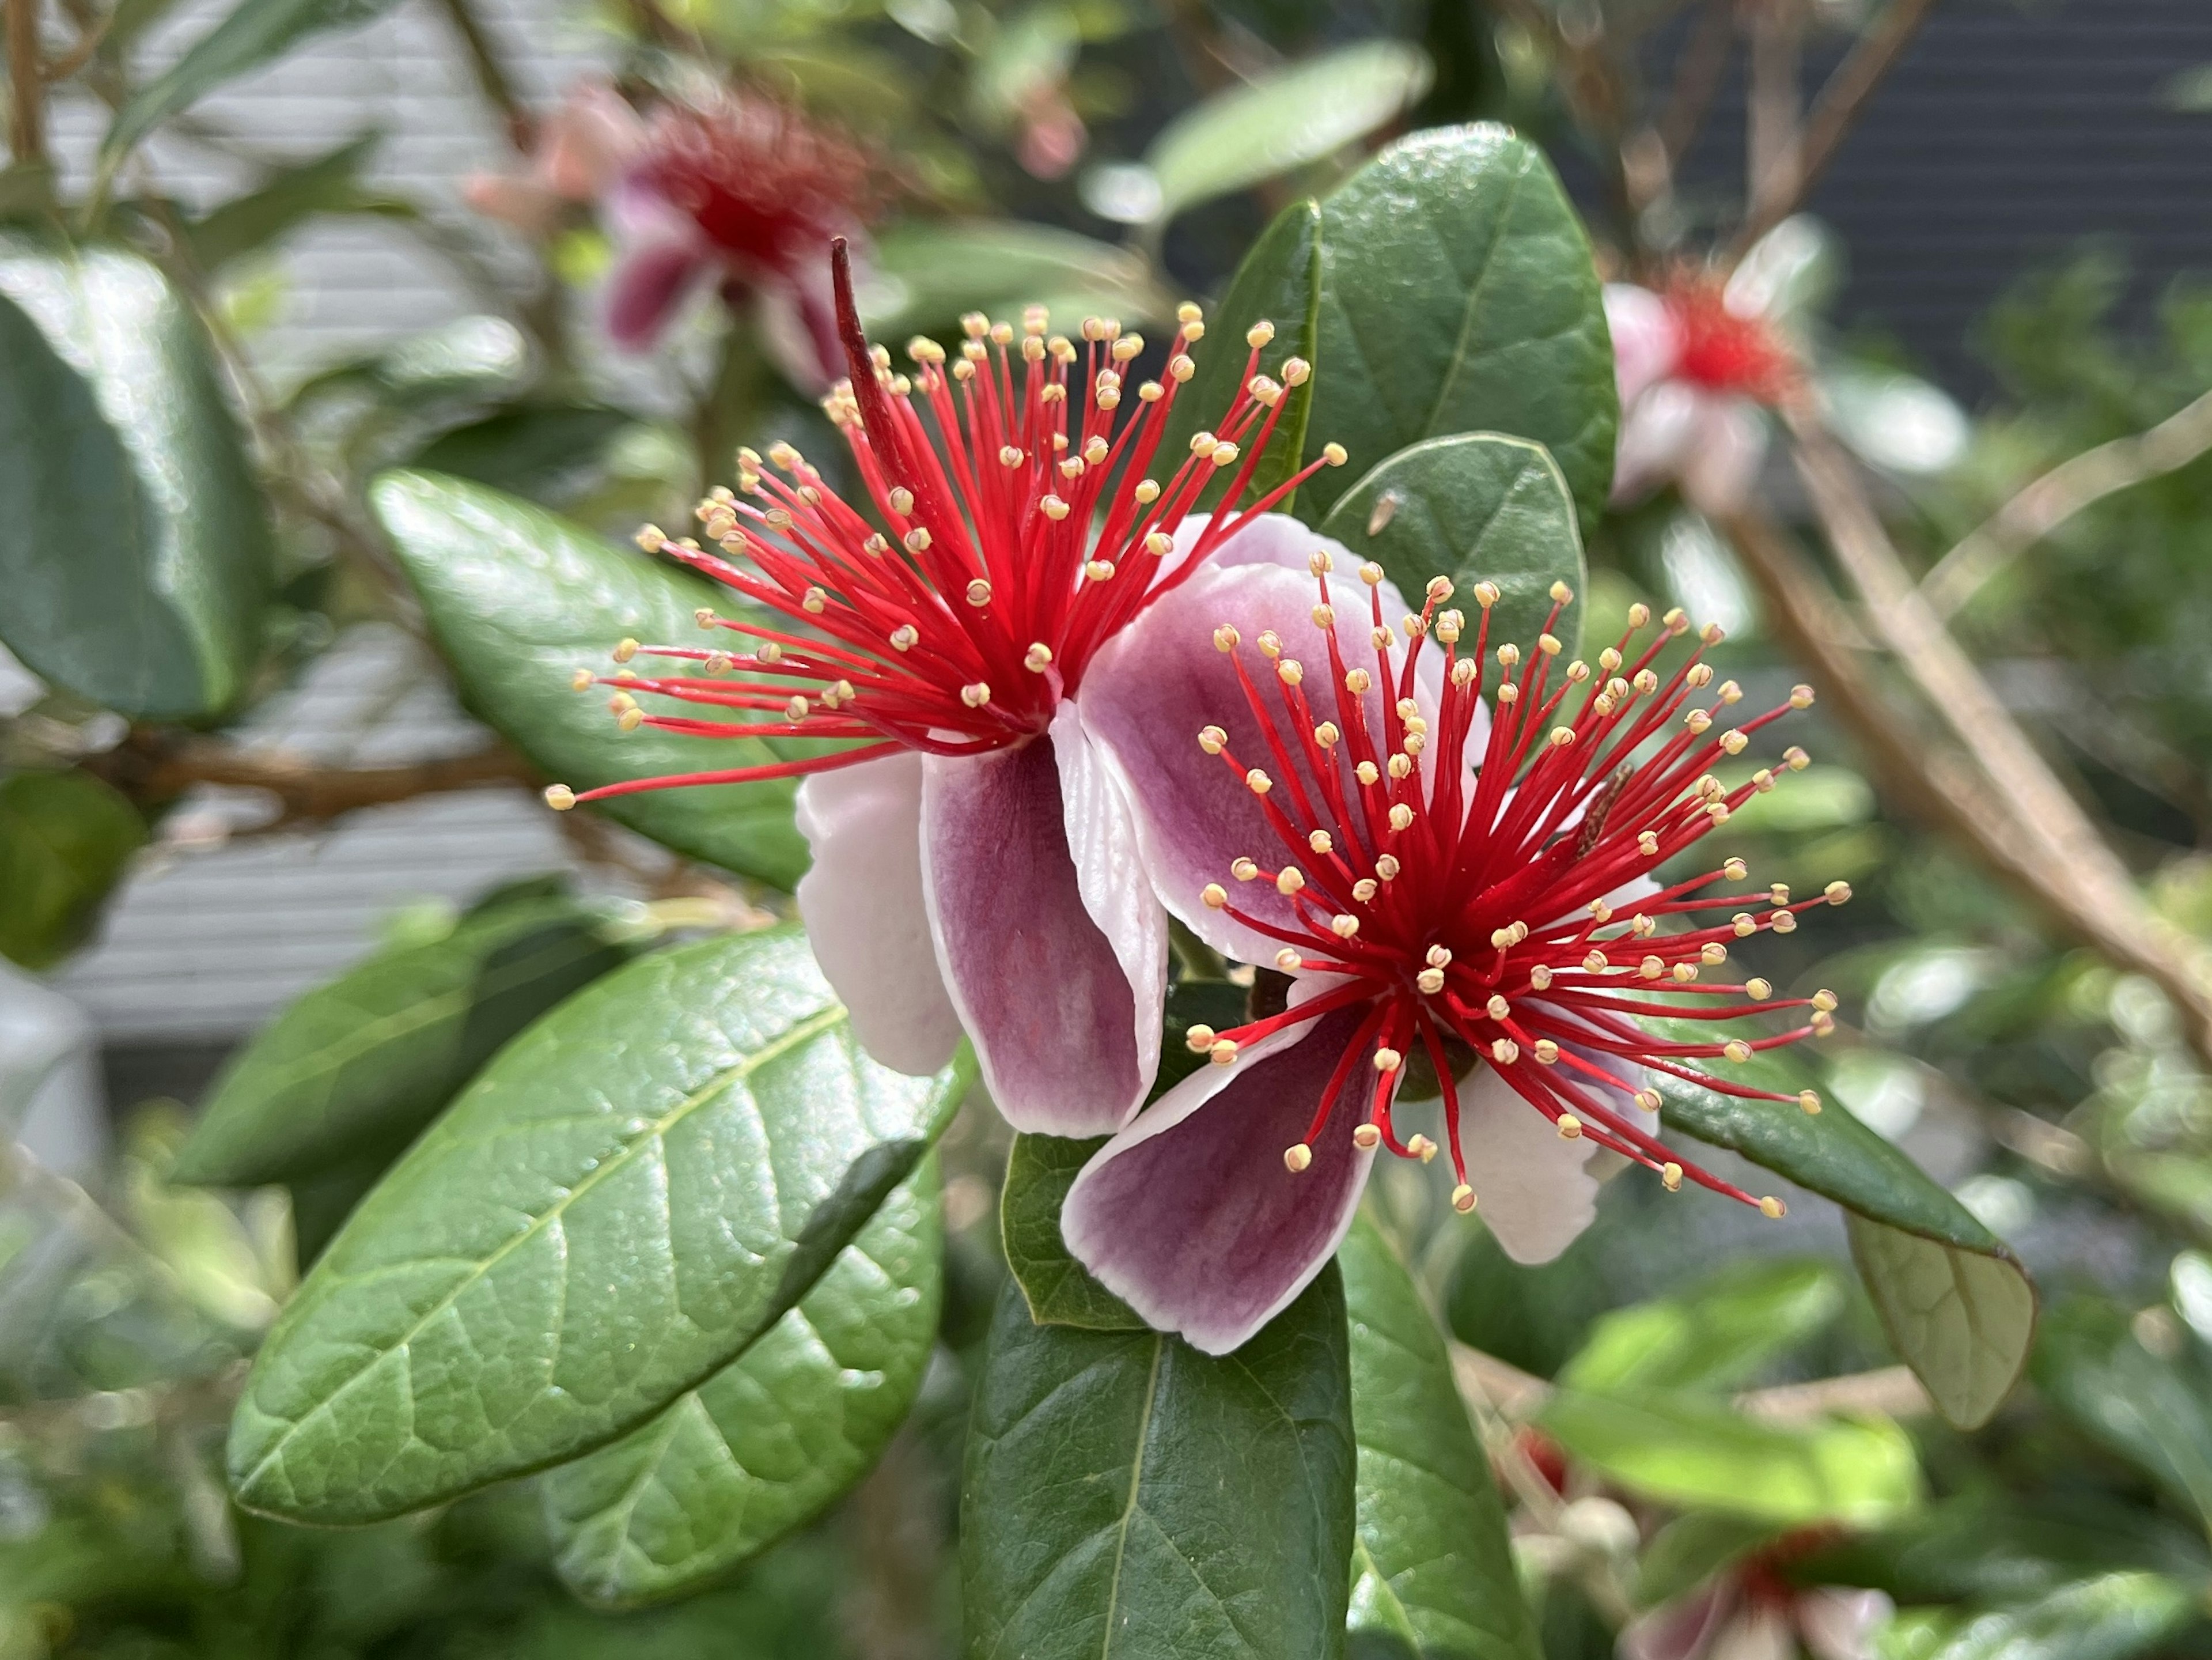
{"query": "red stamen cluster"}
(1015, 542)
(767, 186)
(1723, 350)
(1472, 917)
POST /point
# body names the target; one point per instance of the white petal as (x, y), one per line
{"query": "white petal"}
(862, 904)
(1727, 444)
(1531, 1189)
(1655, 434)
(1645, 342)
(1840, 1623)
(1759, 1631)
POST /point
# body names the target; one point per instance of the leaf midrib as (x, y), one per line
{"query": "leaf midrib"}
(1136, 1486)
(813, 1026)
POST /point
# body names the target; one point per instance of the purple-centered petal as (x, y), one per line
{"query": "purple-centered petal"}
(1682, 1629)
(1149, 691)
(862, 903)
(1189, 1215)
(1037, 984)
(652, 281)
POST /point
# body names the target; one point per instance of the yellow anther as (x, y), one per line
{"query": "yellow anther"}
(1737, 1050)
(1430, 981)
(1540, 976)
(1744, 924)
(1367, 772)
(1651, 967)
(1836, 893)
(979, 593)
(1648, 1099)
(1735, 870)
(1225, 638)
(1800, 698)
(1367, 1138)
(1037, 658)
(1213, 740)
(1809, 1101)
(1054, 508)
(1198, 1038)
(1327, 735)
(1569, 1126)
(975, 694)
(1596, 961)
(904, 636)
(1713, 953)
(1297, 1157)
(1733, 742)
(1388, 1060)
(1421, 1147)
(1258, 781)
(1783, 921)
(560, 797)
(1497, 1008)
(1758, 990)
(1773, 1208)
(1215, 896)
(1244, 870)
(1462, 1199)
(630, 719)
(1344, 925)
(1401, 816)
(582, 680)
(1365, 889)
(1259, 334)
(1224, 1052)
(1289, 961)
(1547, 1052)
(1335, 453)
(1562, 735)
(1561, 593)
(1796, 759)
(1289, 880)
(1647, 844)
(1548, 644)
(1289, 672)
(1824, 1001)
(1670, 1176)
(1386, 866)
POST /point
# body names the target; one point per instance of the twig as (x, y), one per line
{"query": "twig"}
(2070, 863)
(1495, 1386)
(492, 78)
(27, 87)
(1773, 110)
(154, 771)
(1698, 74)
(1833, 111)
(2048, 502)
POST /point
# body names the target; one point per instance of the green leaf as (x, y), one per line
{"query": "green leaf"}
(2155, 1412)
(1433, 1568)
(1126, 1497)
(1715, 1335)
(518, 599)
(329, 183)
(1058, 1289)
(256, 33)
(2112, 1617)
(1692, 1450)
(928, 273)
(1963, 1322)
(770, 1441)
(1278, 282)
(1472, 506)
(1531, 1317)
(135, 554)
(1690, 1549)
(1956, 1303)
(1215, 1003)
(628, 1197)
(529, 449)
(1458, 295)
(1278, 122)
(65, 840)
(360, 1065)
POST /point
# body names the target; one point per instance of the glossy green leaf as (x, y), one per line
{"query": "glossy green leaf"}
(1282, 120)
(66, 839)
(763, 1445)
(1279, 284)
(1473, 507)
(1533, 1317)
(1953, 1297)
(1127, 1498)
(2113, 1617)
(926, 274)
(518, 601)
(2155, 1411)
(1039, 1170)
(628, 1197)
(360, 1065)
(253, 33)
(1458, 295)
(1715, 1335)
(1432, 1567)
(329, 183)
(1963, 1321)
(135, 554)
(1693, 1450)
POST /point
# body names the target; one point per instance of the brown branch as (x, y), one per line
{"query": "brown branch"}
(27, 88)
(2024, 817)
(154, 770)
(2059, 494)
(1494, 1385)
(491, 76)
(1698, 74)
(1774, 108)
(1833, 111)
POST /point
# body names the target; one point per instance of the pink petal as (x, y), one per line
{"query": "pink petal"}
(1530, 1187)
(1759, 1633)
(586, 140)
(1148, 692)
(862, 904)
(1110, 874)
(1679, 1630)
(1038, 986)
(522, 202)
(1189, 1215)
(1726, 446)
(1841, 1624)
(1264, 538)
(1655, 433)
(648, 286)
(1645, 342)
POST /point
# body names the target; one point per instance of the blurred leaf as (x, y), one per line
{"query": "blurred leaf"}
(66, 839)
(768, 1442)
(255, 33)
(1532, 1317)
(1216, 1003)
(2155, 1412)
(323, 1199)
(1278, 282)
(1689, 1450)
(1822, 796)
(1432, 1567)
(1472, 506)
(622, 1202)
(1124, 1493)
(2113, 1617)
(360, 1065)
(518, 599)
(472, 356)
(136, 552)
(1715, 1335)
(1022, 58)
(926, 274)
(1690, 1549)
(1962, 1320)
(529, 449)
(1458, 295)
(1282, 120)
(329, 183)
(1895, 421)
(1039, 1170)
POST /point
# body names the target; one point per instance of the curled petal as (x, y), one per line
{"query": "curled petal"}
(1646, 342)
(1530, 1182)
(647, 289)
(1190, 1215)
(862, 904)
(1683, 1629)
(586, 141)
(1839, 1623)
(1259, 539)
(1037, 984)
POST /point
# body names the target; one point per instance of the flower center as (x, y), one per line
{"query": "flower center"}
(1723, 350)
(762, 183)
(1483, 898)
(1019, 523)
